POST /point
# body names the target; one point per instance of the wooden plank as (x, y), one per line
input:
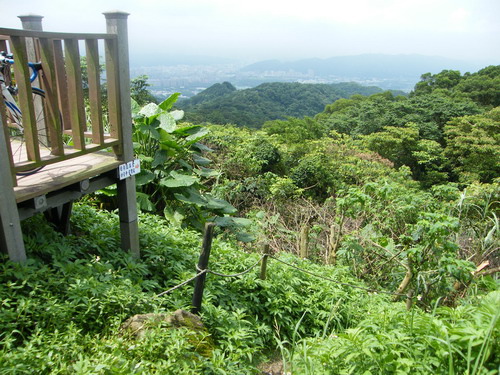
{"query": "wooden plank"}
(69, 153)
(5, 130)
(52, 113)
(25, 97)
(75, 92)
(57, 176)
(94, 80)
(52, 35)
(62, 84)
(11, 237)
(114, 112)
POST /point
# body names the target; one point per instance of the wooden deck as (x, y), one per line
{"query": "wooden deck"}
(59, 175)
(100, 139)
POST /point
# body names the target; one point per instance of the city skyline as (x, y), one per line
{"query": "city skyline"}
(287, 30)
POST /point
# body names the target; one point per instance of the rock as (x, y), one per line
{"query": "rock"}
(137, 326)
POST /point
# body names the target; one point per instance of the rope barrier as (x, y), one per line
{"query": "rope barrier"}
(201, 272)
(234, 274)
(338, 282)
(182, 284)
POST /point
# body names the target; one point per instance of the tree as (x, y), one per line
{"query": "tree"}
(139, 90)
(473, 146)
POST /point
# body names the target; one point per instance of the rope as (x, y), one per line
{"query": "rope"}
(338, 282)
(234, 274)
(182, 284)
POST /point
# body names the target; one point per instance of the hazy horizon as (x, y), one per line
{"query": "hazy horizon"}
(285, 30)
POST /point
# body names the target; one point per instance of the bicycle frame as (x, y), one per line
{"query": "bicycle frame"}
(10, 103)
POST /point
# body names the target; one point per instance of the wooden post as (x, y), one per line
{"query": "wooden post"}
(304, 241)
(263, 266)
(11, 237)
(116, 23)
(331, 253)
(33, 22)
(202, 265)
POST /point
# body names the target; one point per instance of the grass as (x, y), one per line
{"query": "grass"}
(62, 310)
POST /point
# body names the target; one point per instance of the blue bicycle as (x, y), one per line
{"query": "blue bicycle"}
(14, 114)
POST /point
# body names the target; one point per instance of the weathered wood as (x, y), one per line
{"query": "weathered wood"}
(114, 112)
(69, 193)
(5, 130)
(94, 78)
(52, 112)
(64, 173)
(304, 241)
(53, 35)
(11, 237)
(116, 23)
(127, 211)
(69, 153)
(75, 92)
(34, 22)
(331, 253)
(62, 84)
(118, 58)
(263, 266)
(22, 75)
(202, 265)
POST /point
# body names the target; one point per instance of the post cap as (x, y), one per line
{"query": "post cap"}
(30, 17)
(116, 14)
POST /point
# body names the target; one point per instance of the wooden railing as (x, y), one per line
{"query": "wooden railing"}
(68, 115)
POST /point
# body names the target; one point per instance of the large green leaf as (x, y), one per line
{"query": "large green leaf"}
(195, 137)
(167, 141)
(175, 217)
(167, 122)
(135, 108)
(220, 205)
(202, 147)
(143, 202)
(191, 196)
(200, 160)
(159, 158)
(206, 172)
(150, 110)
(148, 129)
(245, 237)
(144, 177)
(177, 114)
(179, 180)
(167, 104)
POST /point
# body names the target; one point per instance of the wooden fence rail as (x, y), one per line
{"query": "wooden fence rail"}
(67, 113)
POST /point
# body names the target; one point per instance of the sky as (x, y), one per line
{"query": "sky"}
(254, 30)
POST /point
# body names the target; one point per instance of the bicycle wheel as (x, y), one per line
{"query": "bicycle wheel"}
(18, 141)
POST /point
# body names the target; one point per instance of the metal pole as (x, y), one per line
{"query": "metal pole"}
(202, 265)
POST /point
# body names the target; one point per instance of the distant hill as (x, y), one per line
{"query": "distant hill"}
(223, 104)
(368, 66)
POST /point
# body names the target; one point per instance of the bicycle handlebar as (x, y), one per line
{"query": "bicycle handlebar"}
(9, 59)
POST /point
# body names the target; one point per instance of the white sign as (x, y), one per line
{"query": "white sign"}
(129, 169)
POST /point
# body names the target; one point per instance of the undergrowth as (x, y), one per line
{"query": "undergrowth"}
(62, 310)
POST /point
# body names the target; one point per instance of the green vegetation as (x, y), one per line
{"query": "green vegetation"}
(393, 200)
(223, 104)
(62, 311)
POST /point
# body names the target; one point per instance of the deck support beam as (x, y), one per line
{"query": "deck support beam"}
(116, 23)
(11, 236)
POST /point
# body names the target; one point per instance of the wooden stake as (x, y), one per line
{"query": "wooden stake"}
(263, 266)
(202, 265)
